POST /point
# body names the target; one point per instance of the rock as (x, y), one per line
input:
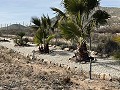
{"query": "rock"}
(58, 47)
(1, 88)
(88, 80)
(68, 68)
(105, 76)
(50, 45)
(42, 60)
(60, 65)
(66, 49)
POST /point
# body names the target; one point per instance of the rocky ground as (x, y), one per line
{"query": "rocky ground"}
(20, 73)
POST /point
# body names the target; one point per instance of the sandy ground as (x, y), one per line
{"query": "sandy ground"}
(20, 73)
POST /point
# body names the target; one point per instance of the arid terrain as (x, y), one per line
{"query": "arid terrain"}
(20, 73)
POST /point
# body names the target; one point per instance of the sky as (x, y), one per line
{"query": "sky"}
(19, 11)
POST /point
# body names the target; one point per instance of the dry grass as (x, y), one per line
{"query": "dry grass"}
(16, 73)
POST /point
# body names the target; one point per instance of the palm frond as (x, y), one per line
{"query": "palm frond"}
(58, 11)
(55, 25)
(48, 21)
(101, 16)
(74, 6)
(38, 37)
(91, 4)
(69, 30)
(50, 37)
(43, 20)
(36, 21)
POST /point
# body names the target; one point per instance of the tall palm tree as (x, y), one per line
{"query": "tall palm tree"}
(44, 32)
(80, 18)
(78, 21)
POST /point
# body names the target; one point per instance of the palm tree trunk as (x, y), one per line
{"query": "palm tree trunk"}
(46, 48)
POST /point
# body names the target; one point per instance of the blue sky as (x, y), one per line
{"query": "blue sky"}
(12, 11)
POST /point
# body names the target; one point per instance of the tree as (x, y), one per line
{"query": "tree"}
(78, 21)
(44, 32)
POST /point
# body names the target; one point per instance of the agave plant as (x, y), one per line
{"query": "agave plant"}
(44, 32)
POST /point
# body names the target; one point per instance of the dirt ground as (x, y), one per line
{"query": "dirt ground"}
(21, 73)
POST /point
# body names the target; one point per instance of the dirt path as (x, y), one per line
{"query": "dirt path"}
(111, 67)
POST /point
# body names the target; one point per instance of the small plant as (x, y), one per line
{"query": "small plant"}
(110, 47)
(117, 55)
(19, 40)
(116, 39)
(99, 48)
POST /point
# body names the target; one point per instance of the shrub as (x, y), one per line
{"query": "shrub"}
(110, 47)
(100, 48)
(116, 39)
(0, 33)
(117, 55)
(21, 42)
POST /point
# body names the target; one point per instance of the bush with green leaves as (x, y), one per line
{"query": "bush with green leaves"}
(19, 40)
(100, 48)
(117, 55)
(111, 47)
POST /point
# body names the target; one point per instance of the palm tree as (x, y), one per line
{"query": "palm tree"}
(44, 32)
(78, 21)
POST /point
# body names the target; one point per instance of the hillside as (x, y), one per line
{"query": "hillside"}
(13, 26)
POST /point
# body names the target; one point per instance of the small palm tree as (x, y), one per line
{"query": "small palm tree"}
(21, 34)
(44, 32)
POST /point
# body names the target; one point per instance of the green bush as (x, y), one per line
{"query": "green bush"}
(99, 48)
(111, 47)
(21, 42)
(117, 55)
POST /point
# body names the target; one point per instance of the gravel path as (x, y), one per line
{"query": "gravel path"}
(111, 67)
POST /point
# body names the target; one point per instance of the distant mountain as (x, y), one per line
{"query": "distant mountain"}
(14, 27)
(115, 14)
(113, 11)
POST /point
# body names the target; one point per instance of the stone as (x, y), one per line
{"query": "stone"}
(42, 60)
(66, 49)
(1, 88)
(105, 76)
(68, 68)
